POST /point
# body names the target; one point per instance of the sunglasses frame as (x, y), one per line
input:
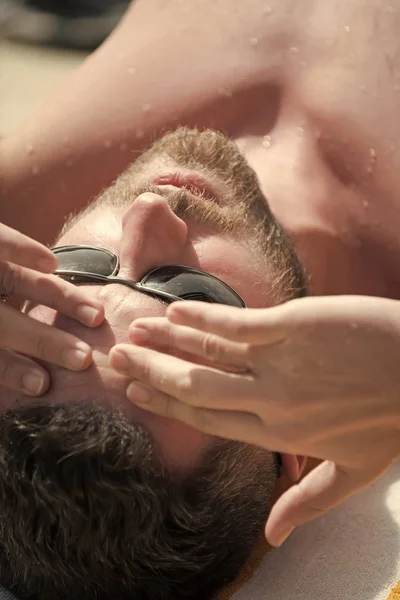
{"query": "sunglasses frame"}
(93, 278)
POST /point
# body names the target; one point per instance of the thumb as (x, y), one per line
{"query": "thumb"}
(323, 488)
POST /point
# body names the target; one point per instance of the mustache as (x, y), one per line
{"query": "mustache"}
(198, 208)
(208, 151)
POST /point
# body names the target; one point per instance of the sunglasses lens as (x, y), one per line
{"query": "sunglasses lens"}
(190, 284)
(184, 282)
(86, 260)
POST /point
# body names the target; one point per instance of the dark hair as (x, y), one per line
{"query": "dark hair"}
(87, 511)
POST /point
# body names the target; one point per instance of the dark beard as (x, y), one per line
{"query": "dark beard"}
(88, 511)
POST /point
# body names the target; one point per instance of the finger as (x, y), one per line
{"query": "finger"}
(161, 333)
(252, 326)
(22, 250)
(51, 291)
(22, 334)
(324, 488)
(198, 385)
(233, 425)
(21, 374)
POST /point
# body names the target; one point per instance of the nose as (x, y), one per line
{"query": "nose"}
(152, 236)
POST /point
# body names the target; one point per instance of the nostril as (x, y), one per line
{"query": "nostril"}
(148, 205)
(153, 235)
(146, 201)
(150, 198)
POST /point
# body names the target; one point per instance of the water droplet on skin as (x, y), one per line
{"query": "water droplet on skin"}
(365, 203)
(347, 29)
(30, 150)
(391, 9)
(266, 141)
(107, 144)
(300, 130)
(354, 326)
(225, 92)
(131, 71)
(372, 160)
(35, 170)
(291, 366)
(303, 64)
(294, 50)
(267, 10)
(254, 41)
(139, 133)
(123, 147)
(146, 107)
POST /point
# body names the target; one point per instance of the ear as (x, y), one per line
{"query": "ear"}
(293, 466)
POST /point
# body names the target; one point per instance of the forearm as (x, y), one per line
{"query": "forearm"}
(140, 82)
(80, 139)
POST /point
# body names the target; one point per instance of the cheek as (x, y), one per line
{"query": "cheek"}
(101, 228)
(239, 267)
(214, 257)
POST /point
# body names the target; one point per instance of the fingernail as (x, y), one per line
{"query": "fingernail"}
(34, 382)
(87, 314)
(139, 334)
(137, 394)
(119, 361)
(177, 311)
(47, 265)
(282, 536)
(175, 308)
(76, 358)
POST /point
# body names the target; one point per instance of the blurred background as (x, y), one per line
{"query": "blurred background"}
(41, 42)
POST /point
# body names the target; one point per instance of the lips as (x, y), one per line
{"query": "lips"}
(194, 183)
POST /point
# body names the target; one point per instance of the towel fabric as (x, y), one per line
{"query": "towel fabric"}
(352, 553)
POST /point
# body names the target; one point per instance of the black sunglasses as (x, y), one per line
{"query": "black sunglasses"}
(87, 265)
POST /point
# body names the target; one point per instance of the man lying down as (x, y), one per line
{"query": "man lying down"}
(99, 499)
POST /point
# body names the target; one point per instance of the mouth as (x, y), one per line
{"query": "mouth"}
(196, 184)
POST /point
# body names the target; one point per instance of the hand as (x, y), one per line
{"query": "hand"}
(23, 267)
(317, 376)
